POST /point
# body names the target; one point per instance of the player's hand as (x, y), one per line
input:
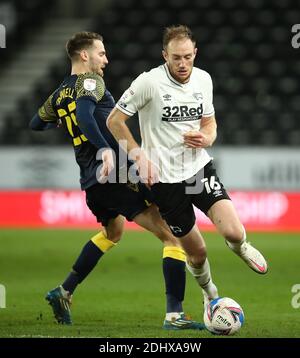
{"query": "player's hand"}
(196, 139)
(107, 165)
(148, 171)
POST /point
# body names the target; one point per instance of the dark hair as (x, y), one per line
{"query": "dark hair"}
(80, 41)
(177, 32)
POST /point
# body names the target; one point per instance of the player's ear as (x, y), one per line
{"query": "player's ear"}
(84, 55)
(195, 51)
(165, 55)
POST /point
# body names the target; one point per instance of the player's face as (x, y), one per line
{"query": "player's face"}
(97, 57)
(179, 56)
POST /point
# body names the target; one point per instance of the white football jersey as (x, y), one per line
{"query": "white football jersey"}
(167, 109)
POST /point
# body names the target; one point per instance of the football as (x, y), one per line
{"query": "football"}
(223, 316)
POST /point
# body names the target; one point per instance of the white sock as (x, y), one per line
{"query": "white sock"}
(172, 315)
(64, 292)
(236, 246)
(203, 277)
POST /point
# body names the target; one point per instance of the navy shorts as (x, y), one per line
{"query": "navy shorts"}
(107, 201)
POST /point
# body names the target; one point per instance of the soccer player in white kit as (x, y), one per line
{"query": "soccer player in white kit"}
(177, 121)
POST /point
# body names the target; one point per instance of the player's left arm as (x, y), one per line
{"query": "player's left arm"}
(207, 133)
(205, 137)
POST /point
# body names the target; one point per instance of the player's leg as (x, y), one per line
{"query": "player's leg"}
(173, 258)
(224, 216)
(173, 269)
(97, 199)
(94, 249)
(60, 297)
(198, 264)
(176, 208)
(214, 201)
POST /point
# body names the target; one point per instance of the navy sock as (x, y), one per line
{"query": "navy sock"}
(174, 273)
(71, 282)
(84, 264)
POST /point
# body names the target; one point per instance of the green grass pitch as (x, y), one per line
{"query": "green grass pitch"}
(124, 295)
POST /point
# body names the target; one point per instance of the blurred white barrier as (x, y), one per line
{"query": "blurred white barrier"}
(240, 168)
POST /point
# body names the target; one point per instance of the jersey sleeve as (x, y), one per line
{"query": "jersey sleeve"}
(46, 112)
(90, 86)
(136, 96)
(208, 107)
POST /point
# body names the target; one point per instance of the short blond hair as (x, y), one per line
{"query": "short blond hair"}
(177, 32)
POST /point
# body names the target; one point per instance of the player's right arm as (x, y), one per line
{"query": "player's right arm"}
(135, 98)
(116, 124)
(45, 118)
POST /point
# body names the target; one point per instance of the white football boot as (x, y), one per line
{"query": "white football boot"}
(253, 258)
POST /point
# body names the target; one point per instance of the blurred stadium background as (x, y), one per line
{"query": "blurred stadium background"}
(247, 48)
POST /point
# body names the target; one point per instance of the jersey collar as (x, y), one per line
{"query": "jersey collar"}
(172, 79)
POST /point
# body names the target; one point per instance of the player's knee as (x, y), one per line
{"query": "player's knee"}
(198, 258)
(233, 233)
